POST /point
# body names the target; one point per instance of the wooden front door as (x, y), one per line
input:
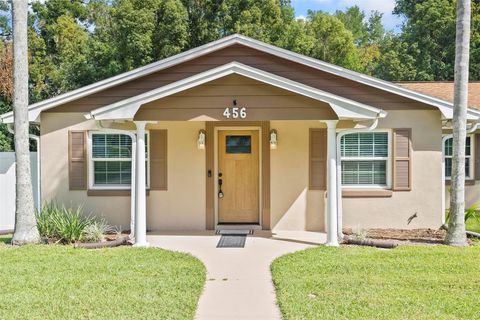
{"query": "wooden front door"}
(238, 176)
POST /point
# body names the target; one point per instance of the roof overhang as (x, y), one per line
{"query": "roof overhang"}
(446, 108)
(344, 108)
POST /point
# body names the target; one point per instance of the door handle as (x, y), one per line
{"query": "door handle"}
(220, 182)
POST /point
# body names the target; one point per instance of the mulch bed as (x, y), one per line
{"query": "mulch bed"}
(403, 236)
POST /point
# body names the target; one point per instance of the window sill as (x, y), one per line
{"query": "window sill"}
(110, 193)
(366, 193)
(468, 182)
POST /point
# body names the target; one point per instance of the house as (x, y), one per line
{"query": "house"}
(444, 90)
(239, 132)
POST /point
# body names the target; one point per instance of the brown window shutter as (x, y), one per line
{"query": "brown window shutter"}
(318, 159)
(476, 147)
(402, 162)
(77, 160)
(158, 159)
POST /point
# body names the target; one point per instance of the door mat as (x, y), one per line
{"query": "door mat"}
(233, 231)
(232, 241)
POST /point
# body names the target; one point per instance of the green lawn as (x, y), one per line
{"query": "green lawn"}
(59, 282)
(367, 283)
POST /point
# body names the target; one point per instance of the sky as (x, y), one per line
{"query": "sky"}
(390, 21)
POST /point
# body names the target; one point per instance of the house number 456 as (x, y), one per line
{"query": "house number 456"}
(235, 113)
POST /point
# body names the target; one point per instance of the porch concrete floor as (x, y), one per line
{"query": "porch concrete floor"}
(239, 283)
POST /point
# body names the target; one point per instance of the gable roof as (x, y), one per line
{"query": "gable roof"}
(444, 90)
(343, 107)
(35, 109)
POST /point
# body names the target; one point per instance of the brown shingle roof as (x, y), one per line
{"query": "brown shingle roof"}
(444, 90)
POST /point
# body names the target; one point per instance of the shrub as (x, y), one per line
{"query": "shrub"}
(95, 231)
(63, 224)
(45, 224)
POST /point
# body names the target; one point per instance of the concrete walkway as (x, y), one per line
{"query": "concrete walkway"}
(239, 284)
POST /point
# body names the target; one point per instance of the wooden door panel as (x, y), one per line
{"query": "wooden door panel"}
(239, 166)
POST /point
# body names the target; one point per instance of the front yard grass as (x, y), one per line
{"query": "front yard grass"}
(59, 282)
(435, 282)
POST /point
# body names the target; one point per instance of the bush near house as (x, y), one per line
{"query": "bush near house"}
(436, 282)
(59, 282)
(67, 225)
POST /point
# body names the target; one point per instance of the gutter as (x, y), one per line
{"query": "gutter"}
(132, 136)
(38, 182)
(373, 126)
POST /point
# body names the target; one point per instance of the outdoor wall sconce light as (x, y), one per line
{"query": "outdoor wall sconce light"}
(201, 139)
(273, 139)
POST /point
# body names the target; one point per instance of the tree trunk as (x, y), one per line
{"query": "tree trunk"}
(456, 235)
(25, 224)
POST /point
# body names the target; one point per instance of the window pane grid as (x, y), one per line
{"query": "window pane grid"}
(364, 172)
(370, 144)
(111, 157)
(111, 146)
(448, 154)
(364, 157)
(112, 172)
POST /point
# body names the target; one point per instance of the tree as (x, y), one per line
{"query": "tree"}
(427, 42)
(354, 20)
(25, 223)
(332, 42)
(6, 92)
(456, 227)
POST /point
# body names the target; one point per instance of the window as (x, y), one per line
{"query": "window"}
(364, 157)
(448, 153)
(111, 160)
(238, 144)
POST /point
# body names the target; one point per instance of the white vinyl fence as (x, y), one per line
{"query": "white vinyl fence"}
(7, 188)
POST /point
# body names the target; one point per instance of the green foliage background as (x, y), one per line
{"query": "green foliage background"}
(73, 43)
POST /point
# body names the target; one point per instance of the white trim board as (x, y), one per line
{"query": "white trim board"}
(343, 107)
(34, 110)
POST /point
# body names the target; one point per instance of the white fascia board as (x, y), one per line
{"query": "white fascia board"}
(125, 77)
(442, 105)
(345, 108)
(191, 54)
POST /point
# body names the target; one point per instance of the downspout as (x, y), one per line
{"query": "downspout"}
(339, 173)
(38, 184)
(133, 177)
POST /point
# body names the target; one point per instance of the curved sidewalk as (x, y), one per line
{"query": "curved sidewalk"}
(239, 283)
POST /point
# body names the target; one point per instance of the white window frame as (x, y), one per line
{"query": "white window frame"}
(471, 173)
(388, 160)
(91, 161)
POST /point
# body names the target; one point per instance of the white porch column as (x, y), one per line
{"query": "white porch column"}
(332, 239)
(140, 188)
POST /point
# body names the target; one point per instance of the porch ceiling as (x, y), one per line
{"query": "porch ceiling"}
(342, 107)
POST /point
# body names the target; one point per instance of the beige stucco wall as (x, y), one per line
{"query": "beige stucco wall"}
(293, 205)
(182, 206)
(425, 198)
